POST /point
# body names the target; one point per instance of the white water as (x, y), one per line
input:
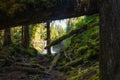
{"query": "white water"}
(53, 52)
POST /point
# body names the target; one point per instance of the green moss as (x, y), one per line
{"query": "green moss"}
(81, 50)
(85, 48)
(90, 73)
(91, 55)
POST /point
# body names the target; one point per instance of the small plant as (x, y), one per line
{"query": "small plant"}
(31, 62)
(30, 52)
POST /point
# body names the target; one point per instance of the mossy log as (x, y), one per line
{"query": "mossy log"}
(31, 65)
(76, 31)
(53, 63)
(72, 63)
(80, 30)
(37, 11)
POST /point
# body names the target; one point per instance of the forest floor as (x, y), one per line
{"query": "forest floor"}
(9, 74)
(15, 72)
(26, 67)
(21, 64)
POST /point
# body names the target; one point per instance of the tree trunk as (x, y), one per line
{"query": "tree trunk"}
(26, 36)
(110, 40)
(48, 37)
(22, 39)
(7, 37)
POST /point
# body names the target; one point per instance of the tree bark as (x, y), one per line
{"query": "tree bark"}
(26, 36)
(37, 11)
(7, 37)
(48, 37)
(110, 40)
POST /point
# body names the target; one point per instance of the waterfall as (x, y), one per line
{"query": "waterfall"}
(54, 49)
(53, 52)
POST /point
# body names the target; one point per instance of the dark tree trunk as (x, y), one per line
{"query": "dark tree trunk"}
(25, 36)
(22, 40)
(110, 40)
(7, 37)
(48, 37)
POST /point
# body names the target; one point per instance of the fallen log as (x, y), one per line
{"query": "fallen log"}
(76, 31)
(53, 63)
(29, 70)
(73, 32)
(30, 65)
(37, 11)
(72, 64)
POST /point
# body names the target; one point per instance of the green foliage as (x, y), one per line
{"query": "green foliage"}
(39, 29)
(56, 32)
(87, 20)
(71, 23)
(30, 52)
(16, 34)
